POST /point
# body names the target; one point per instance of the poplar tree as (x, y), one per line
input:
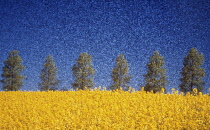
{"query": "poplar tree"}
(49, 80)
(155, 78)
(12, 79)
(83, 72)
(192, 72)
(120, 76)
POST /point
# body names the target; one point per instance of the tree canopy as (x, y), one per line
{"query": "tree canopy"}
(49, 80)
(11, 78)
(83, 72)
(192, 72)
(155, 78)
(120, 75)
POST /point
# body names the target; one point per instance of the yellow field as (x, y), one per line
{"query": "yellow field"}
(104, 110)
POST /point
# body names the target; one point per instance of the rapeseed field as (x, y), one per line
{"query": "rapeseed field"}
(103, 110)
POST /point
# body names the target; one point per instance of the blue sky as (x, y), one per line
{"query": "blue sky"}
(104, 29)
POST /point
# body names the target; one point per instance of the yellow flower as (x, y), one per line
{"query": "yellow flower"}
(103, 110)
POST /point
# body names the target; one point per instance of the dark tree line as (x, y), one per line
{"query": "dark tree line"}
(83, 72)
